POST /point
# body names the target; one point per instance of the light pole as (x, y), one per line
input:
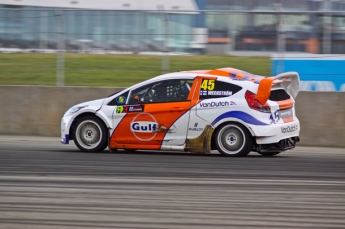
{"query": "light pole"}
(60, 52)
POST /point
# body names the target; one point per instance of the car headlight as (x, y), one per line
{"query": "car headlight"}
(74, 109)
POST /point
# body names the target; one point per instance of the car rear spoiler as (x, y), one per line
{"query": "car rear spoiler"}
(287, 80)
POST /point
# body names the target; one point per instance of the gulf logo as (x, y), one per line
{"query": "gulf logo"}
(144, 127)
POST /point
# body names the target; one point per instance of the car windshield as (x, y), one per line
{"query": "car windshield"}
(115, 93)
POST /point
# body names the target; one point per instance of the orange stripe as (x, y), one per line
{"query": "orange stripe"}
(288, 119)
(218, 72)
(264, 90)
(199, 71)
(194, 91)
(240, 75)
(285, 104)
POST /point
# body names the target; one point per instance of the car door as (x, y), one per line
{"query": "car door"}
(154, 114)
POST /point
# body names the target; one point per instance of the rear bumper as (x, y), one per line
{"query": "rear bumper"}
(274, 133)
(282, 145)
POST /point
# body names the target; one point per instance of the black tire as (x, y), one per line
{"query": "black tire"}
(233, 140)
(268, 154)
(90, 134)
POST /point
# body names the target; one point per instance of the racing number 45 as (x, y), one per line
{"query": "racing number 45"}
(207, 84)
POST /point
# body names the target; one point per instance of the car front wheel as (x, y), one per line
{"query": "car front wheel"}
(90, 134)
(233, 140)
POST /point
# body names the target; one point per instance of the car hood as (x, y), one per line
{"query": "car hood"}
(93, 104)
(90, 106)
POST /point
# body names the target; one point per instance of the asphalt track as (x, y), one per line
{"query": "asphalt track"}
(44, 184)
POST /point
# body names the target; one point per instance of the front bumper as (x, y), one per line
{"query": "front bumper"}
(65, 140)
(65, 126)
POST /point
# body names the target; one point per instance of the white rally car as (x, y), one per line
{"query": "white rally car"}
(226, 109)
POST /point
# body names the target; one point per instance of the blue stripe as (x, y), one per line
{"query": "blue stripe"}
(240, 115)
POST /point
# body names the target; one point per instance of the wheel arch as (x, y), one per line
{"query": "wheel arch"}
(220, 124)
(247, 140)
(82, 115)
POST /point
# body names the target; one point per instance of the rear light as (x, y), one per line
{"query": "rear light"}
(256, 105)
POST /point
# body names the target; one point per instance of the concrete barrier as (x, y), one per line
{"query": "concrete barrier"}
(322, 117)
(37, 110)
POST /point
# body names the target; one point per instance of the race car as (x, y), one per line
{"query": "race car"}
(226, 109)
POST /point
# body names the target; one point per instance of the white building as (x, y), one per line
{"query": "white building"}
(135, 25)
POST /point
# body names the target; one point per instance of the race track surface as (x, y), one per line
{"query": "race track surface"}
(44, 184)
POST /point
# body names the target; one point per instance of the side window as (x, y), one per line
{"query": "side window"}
(140, 95)
(119, 100)
(160, 92)
(217, 89)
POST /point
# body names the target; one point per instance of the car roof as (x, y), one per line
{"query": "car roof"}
(230, 73)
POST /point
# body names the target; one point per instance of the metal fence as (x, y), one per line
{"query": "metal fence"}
(170, 32)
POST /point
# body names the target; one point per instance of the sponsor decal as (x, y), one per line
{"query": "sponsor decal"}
(216, 89)
(195, 128)
(144, 126)
(216, 93)
(121, 99)
(203, 92)
(281, 114)
(285, 113)
(232, 103)
(215, 104)
(129, 108)
(220, 93)
(120, 109)
(289, 129)
(135, 108)
(207, 84)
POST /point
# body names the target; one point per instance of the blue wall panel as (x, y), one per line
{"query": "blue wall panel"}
(315, 74)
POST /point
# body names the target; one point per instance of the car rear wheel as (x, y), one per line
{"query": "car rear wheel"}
(233, 140)
(269, 154)
(90, 134)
